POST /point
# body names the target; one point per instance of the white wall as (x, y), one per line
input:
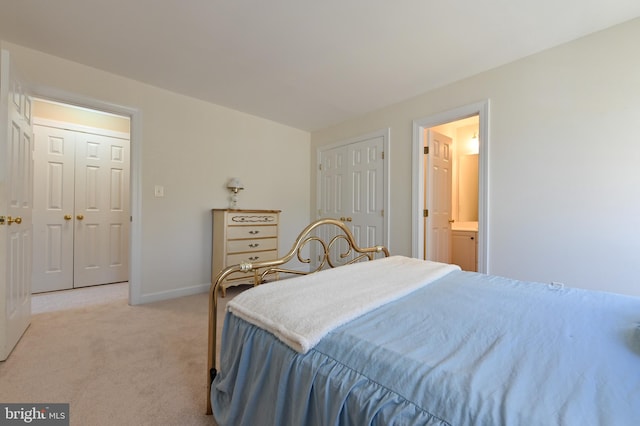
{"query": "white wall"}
(564, 161)
(191, 148)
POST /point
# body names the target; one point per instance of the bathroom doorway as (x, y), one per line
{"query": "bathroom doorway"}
(451, 193)
(462, 206)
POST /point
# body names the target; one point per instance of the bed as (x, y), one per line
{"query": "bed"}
(395, 340)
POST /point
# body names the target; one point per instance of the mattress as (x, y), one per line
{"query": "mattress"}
(466, 349)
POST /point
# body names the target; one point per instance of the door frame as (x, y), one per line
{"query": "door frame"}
(386, 136)
(418, 173)
(135, 172)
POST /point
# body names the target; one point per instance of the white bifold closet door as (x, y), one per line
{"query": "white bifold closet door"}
(81, 209)
(351, 190)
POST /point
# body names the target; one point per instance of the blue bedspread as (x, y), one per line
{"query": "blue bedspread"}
(468, 349)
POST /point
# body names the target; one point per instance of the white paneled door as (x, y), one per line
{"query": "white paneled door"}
(351, 189)
(16, 179)
(53, 223)
(81, 217)
(101, 243)
(438, 198)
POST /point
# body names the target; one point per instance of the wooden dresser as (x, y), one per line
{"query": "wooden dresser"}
(242, 236)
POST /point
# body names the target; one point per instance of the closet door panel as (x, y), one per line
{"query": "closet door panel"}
(101, 205)
(81, 209)
(54, 158)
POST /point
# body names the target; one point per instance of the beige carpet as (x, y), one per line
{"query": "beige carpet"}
(115, 364)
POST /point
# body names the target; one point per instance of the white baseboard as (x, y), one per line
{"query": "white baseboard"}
(188, 291)
(172, 294)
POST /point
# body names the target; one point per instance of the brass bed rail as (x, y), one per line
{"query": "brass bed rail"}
(352, 253)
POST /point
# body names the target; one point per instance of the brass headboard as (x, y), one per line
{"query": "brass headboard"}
(341, 245)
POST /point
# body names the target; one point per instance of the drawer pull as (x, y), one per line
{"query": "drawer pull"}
(254, 232)
(254, 245)
(252, 258)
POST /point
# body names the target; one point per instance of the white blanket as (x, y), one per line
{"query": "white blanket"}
(300, 311)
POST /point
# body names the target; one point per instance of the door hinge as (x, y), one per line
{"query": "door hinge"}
(382, 212)
(426, 150)
(320, 167)
(425, 213)
(383, 155)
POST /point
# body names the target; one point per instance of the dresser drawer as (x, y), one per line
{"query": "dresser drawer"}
(252, 218)
(258, 256)
(243, 236)
(251, 231)
(245, 278)
(259, 244)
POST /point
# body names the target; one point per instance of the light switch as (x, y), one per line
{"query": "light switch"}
(159, 191)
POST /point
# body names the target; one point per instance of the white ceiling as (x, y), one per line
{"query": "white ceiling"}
(307, 64)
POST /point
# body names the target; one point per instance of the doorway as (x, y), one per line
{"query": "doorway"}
(81, 197)
(419, 196)
(451, 199)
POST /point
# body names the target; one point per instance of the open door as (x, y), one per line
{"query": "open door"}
(16, 183)
(438, 197)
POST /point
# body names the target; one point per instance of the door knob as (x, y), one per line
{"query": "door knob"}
(80, 217)
(17, 220)
(67, 217)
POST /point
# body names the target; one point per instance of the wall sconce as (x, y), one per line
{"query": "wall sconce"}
(234, 186)
(474, 144)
